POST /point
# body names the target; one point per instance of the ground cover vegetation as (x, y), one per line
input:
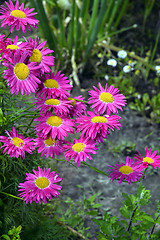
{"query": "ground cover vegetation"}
(85, 45)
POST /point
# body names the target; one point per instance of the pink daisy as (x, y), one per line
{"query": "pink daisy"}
(10, 47)
(54, 85)
(61, 107)
(106, 99)
(95, 125)
(150, 159)
(16, 144)
(4, 42)
(49, 147)
(40, 186)
(17, 16)
(54, 126)
(80, 150)
(21, 75)
(126, 171)
(39, 55)
(78, 107)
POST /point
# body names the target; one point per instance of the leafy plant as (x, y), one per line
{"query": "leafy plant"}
(126, 147)
(149, 105)
(14, 233)
(138, 224)
(75, 213)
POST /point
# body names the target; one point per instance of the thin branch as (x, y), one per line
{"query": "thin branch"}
(153, 226)
(130, 223)
(72, 230)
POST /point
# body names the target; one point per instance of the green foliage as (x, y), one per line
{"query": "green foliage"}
(149, 105)
(136, 225)
(75, 213)
(125, 147)
(14, 233)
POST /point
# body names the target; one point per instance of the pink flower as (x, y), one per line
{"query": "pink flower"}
(54, 86)
(150, 159)
(3, 43)
(40, 55)
(17, 16)
(81, 150)
(54, 126)
(40, 186)
(127, 171)
(109, 99)
(78, 107)
(61, 107)
(21, 75)
(49, 147)
(95, 125)
(16, 144)
(9, 47)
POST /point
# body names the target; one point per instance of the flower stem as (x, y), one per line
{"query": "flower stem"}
(96, 169)
(153, 226)
(8, 194)
(23, 165)
(130, 223)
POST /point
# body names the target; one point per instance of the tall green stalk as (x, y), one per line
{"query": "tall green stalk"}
(71, 29)
(93, 17)
(44, 24)
(121, 13)
(113, 14)
(153, 54)
(95, 31)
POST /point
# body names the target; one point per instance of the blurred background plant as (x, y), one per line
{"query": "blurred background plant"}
(74, 29)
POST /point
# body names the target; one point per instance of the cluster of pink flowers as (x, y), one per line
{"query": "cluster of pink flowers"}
(133, 169)
(29, 70)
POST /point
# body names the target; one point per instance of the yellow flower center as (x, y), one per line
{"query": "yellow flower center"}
(18, 142)
(79, 147)
(18, 13)
(126, 169)
(107, 97)
(51, 83)
(22, 71)
(50, 142)
(73, 103)
(36, 56)
(13, 47)
(42, 182)
(99, 119)
(148, 160)
(53, 102)
(55, 121)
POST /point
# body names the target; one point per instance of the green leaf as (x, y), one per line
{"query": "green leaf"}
(124, 222)
(97, 205)
(125, 212)
(92, 213)
(145, 98)
(91, 199)
(1, 117)
(6, 237)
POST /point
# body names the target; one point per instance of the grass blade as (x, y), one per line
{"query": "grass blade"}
(96, 28)
(93, 17)
(122, 11)
(44, 26)
(71, 28)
